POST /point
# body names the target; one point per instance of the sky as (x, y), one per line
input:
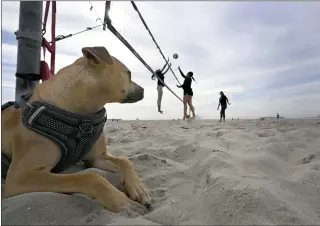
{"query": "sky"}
(265, 56)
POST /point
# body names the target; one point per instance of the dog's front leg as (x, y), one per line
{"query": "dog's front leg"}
(92, 185)
(133, 186)
(101, 159)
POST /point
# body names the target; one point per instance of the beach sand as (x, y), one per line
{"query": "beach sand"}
(199, 172)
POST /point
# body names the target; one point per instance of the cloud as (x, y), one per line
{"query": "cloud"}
(264, 55)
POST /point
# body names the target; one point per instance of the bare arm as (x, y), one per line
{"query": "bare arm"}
(165, 65)
(181, 73)
(167, 69)
(228, 101)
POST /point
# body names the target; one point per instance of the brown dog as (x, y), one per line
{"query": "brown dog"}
(83, 88)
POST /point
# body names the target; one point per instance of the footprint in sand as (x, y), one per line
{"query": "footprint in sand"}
(110, 140)
(265, 134)
(147, 157)
(112, 130)
(216, 150)
(159, 195)
(306, 159)
(217, 128)
(126, 140)
(90, 217)
(283, 130)
(219, 134)
(210, 134)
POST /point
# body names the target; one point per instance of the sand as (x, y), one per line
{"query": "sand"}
(200, 172)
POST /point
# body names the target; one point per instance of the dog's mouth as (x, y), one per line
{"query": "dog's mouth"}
(135, 94)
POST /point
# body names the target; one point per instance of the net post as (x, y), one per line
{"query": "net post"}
(29, 38)
(106, 19)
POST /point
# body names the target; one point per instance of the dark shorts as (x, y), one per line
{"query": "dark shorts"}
(188, 92)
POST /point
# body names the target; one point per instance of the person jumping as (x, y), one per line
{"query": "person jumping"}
(160, 74)
(223, 100)
(187, 93)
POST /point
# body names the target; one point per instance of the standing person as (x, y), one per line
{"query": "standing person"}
(187, 93)
(278, 116)
(223, 100)
(160, 74)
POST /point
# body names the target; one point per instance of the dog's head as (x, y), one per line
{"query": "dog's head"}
(112, 76)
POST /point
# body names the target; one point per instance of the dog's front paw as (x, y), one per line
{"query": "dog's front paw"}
(137, 191)
(134, 188)
(114, 200)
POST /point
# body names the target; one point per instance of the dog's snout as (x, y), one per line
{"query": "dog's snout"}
(142, 92)
(135, 94)
(140, 89)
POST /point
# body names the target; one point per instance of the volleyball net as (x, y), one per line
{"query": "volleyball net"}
(125, 20)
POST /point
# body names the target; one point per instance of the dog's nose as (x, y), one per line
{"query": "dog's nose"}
(139, 92)
(138, 88)
(142, 89)
(135, 94)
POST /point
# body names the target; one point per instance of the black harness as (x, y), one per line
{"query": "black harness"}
(75, 134)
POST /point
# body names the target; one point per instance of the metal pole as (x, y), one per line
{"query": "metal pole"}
(29, 38)
(106, 19)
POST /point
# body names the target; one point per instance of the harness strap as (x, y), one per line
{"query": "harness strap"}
(73, 133)
(24, 100)
(8, 104)
(5, 164)
(21, 103)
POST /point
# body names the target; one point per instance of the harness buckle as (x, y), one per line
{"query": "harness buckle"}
(86, 129)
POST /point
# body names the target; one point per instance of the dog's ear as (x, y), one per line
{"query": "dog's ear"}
(97, 54)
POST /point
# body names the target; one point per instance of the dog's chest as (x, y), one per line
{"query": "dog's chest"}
(73, 133)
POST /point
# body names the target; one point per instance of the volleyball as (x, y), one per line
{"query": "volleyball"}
(175, 56)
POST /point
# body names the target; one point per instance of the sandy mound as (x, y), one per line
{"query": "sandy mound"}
(200, 172)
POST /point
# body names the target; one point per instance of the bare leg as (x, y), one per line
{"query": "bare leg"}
(223, 113)
(160, 93)
(185, 106)
(191, 107)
